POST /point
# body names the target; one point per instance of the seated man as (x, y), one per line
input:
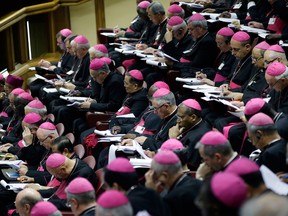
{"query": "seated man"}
(66, 170)
(264, 136)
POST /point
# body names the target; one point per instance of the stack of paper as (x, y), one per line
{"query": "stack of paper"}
(193, 81)
(16, 187)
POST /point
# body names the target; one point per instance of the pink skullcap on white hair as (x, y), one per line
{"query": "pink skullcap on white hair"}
(276, 48)
(37, 104)
(161, 84)
(253, 106)
(144, 4)
(136, 74)
(112, 199)
(101, 47)
(107, 60)
(55, 160)
(43, 208)
(213, 138)
(276, 69)
(262, 45)
(17, 91)
(241, 36)
(79, 185)
(260, 119)
(197, 17)
(65, 32)
(81, 39)
(47, 126)
(229, 189)
(192, 104)
(174, 8)
(175, 20)
(166, 157)
(171, 144)
(226, 32)
(26, 96)
(96, 64)
(161, 92)
(32, 118)
(121, 165)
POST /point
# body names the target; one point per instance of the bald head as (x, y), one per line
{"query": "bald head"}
(25, 200)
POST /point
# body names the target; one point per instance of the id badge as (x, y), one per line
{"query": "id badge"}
(271, 21)
(221, 66)
(59, 64)
(121, 109)
(70, 72)
(140, 129)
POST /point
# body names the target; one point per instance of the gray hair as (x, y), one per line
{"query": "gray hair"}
(199, 23)
(103, 69)
(169, 98)
(124, 210)
(224, 149)
(42, 111)
(267, 129)
(169, 168)
(97, 53)
(57, 213)
(156, 8)
(82, 198)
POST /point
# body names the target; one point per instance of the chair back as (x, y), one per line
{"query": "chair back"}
(79, 150)
(60, 128)
(90, 160)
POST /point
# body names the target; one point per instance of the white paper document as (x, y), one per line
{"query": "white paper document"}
(43, 78)
(253, 30)
(107, 133)
(50, 90)
(140, 162)
(129, 115)
(189, 80)
(155, 63)
(16, 187)
(272, 181)
(73, 99)
(108, 34)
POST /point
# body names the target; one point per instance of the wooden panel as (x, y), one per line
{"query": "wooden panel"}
(100, 16)
(20, 41)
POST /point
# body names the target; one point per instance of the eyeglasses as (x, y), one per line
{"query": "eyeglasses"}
(68, 204)
(157, 108)
(268, 62)
(256, 59)
(42, 141)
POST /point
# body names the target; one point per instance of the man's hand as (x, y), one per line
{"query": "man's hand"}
(169, 62)
(4, 148)
(175, 131)
(115, 129)
(128, 136)
(25, 179)
(141, 46)
(140, 139)
(127, 142)
(27, 136)
(85, 105)
(44, 63)
(23, 170)
(150, 50)
(225, 14)
(254, 24)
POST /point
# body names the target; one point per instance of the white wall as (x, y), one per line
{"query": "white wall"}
(83, 20)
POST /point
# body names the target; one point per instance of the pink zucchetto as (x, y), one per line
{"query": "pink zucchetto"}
(80, 39)
(15, 81)
(2, 77)
(192, 104)
(96, 64)
(106, 60)
(262, 45)
(241, 36)
(171, 144)
(79, 185)
(32, 118)
(37, 104)
(213, 138)
(229, 189)
(174, 9)
(47, 126)
(136, 74)
(121, 165)
(112, 199)
(226, 32)
(65, 32)
(26, 96)
(101, 48)
(144, 4)
(43, 208)
(276, 48)
(253, 106)
(161, 92)
(197, 17)
(175, 20)
(55, 160)
(276, 69)
(260, 119)
(161, 84)
(166, 158)
(242, 166)
(17, 91)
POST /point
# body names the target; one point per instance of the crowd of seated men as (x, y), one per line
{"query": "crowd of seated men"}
(206, 158)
